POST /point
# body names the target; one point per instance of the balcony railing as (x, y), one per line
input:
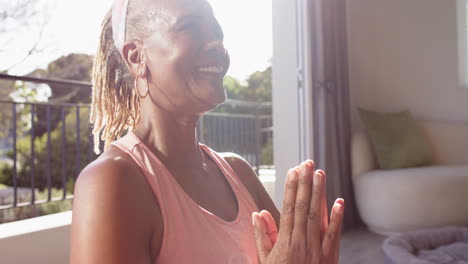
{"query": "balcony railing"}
(44, 145)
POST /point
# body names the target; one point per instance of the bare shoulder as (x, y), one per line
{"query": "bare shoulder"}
(241, 167)
(112, 163)
(237, 161)
(112, 174)
(252, 182)
(111, 222)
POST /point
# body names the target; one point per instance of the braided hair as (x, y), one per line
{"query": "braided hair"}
(115, 104)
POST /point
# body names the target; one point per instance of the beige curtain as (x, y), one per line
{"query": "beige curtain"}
(331, 101)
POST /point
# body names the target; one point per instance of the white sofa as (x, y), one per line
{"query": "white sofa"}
(393, 201)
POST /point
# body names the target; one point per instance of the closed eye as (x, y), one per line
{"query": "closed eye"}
(189, 26)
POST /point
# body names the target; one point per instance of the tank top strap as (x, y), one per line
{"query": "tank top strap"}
(132, 146)
(232, 177)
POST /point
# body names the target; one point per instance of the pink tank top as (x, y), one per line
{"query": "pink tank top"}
(191, 233)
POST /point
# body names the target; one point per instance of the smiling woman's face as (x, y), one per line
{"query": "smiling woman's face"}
(185, 55)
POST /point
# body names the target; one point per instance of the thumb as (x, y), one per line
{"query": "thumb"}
(263, 242)
(270, 223)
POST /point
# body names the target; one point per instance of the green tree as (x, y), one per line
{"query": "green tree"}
(6, 112)
(233, 87)
(71, 67)
(74, 66)
(258, 88)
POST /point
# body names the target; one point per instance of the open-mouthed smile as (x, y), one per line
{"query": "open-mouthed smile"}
(211, 69)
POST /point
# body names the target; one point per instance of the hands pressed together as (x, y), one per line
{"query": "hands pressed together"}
(306, 235)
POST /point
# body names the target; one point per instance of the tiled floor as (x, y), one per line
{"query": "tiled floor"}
(361, 246)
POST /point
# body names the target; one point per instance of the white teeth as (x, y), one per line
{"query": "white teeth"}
(211, 69)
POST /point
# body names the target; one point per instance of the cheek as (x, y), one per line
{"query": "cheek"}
(173, 68)
(181, 68)
(173, 74)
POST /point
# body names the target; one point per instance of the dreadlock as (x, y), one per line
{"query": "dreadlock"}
(115, 105)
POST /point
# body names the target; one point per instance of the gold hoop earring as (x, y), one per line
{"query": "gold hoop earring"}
(137, 90)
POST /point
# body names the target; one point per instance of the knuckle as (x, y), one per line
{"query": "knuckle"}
(301, 207)
(331, 236)
(304, 179)
(314, 216)
(288, 208)
(291, 185)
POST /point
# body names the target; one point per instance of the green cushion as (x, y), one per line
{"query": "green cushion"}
(397, 139)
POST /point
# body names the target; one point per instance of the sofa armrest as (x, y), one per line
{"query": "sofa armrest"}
(362, 155)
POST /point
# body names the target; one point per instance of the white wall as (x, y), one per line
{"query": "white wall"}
(39, 240)
(403, 55)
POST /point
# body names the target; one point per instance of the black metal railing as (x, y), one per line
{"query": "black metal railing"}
(56, 143)
(31, 155)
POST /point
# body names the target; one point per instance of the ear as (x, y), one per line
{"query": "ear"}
(134, 58)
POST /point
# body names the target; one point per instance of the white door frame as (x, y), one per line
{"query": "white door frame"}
(292, 89)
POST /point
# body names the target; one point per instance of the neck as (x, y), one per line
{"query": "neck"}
(172, 139)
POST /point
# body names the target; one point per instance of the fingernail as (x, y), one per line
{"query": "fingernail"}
(340, 201)
(321, 172)
(294, 175)
(339, 208)
(317, 179)
(339, 205)
(254, 220)
(304, 169)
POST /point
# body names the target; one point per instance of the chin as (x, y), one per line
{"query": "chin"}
(213, 94)
(217, 98)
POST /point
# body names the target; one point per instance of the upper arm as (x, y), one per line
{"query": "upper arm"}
(251, 181)
(106, 223)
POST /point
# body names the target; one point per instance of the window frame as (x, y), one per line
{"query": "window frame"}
(462, 42)
(292, 88)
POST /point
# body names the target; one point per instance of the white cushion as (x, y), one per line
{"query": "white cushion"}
(408, 199)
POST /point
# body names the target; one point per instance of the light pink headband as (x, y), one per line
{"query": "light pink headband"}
(119, 19)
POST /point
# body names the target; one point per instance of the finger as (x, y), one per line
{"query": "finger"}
(314, 225)
(324, 206)
(304, 193)
(262, 240)
(287, 211)
(272, 230)
(331, 242)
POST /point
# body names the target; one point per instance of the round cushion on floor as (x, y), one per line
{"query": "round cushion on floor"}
(448, 245)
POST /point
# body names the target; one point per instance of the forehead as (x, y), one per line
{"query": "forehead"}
(172, 10)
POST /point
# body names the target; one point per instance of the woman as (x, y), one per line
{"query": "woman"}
(156, 195)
